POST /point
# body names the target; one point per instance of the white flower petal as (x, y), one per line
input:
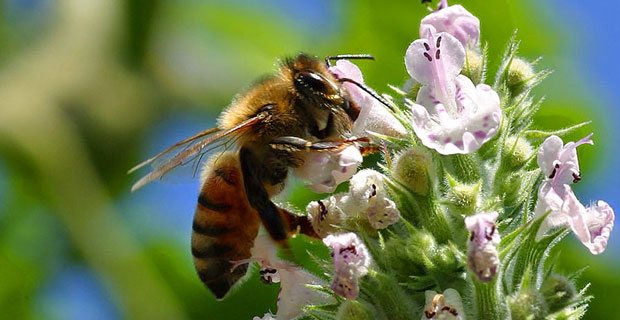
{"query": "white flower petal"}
(559, 162)
(373, 116)
(295, 295)
(324, 171)
(325, 215)
(382, 213)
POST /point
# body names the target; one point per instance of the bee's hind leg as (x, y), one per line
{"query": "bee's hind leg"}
(258, 196)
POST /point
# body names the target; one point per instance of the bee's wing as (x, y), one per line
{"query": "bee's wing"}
(191, 150)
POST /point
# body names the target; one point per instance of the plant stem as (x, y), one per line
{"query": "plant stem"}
(489, 303)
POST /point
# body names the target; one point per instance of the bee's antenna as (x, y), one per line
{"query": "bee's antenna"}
(329, 59)
(369, 91)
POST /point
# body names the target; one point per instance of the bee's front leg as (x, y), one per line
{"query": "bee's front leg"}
(295, 144)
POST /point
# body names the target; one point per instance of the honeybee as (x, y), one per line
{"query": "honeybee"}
(303, 108)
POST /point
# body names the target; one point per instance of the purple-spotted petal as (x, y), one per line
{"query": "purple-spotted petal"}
(435, 61)
(558, 161)
(349, 253)
(475, 121)
(454, 20)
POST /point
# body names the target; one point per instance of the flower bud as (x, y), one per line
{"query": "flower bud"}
(463, 197)
(512, 188)
(482, 255)
(412, 167)
(527, 304)
(558, 292)
(353, 310)
(520, 73)
(516, 152)
(474, 66)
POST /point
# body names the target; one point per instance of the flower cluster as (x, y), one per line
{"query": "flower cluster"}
(451, 209)
(367, 200)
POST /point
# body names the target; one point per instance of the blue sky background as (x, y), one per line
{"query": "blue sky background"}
(591, 53)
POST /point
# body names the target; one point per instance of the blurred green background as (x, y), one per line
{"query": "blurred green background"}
(90, 88)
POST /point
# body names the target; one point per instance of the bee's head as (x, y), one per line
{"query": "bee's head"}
(313, 82)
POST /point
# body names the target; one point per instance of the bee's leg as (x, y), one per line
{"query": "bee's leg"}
(294, 144)
(259, 198)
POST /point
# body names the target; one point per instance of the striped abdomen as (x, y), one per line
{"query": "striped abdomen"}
(224, 227)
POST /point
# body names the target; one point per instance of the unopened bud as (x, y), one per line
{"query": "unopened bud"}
(463, 197)
(516, 152)
(474, 66)
(558, 292)
(412, 167)
(520, 73)
(527, 304)
(353, 310)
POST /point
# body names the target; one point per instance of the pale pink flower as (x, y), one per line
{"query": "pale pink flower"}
(450, 114)
(454, 20)
(373, 116)
(560, 165)
(324, 171)
(351, 261)
(294, 292)
(482, 254)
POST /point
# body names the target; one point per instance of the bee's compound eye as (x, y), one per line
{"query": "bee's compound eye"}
(310, 80)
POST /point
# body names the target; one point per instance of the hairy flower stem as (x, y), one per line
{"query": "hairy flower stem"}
(432, 218)
(464, 167)
(489, 303)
